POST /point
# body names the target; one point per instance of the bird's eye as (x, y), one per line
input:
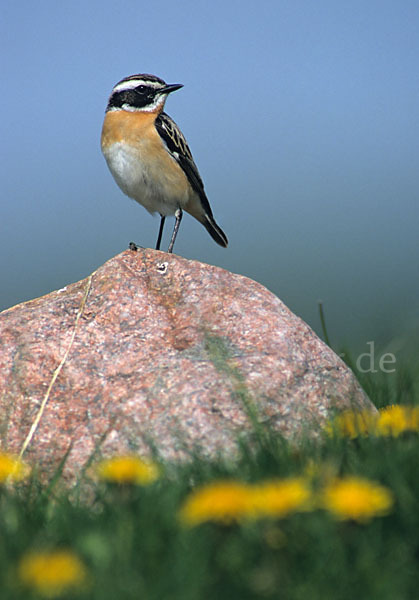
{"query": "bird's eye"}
(141, 88)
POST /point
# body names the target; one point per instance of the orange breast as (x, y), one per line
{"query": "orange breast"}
(147, 172)
(129, 127)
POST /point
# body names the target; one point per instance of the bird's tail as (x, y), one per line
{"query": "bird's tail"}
(215, 232)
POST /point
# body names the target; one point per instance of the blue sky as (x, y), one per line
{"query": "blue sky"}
(303, 118)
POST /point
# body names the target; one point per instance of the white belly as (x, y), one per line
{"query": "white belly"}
(153, 185)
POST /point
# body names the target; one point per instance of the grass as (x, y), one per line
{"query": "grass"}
(128, 540)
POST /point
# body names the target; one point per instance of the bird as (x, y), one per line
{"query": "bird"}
(149, 157)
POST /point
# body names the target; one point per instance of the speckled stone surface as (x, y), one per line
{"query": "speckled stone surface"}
(152, 346)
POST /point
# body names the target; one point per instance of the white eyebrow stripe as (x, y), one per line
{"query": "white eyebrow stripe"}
(133, 83)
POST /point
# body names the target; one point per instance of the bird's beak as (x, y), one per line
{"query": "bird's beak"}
(171, 87)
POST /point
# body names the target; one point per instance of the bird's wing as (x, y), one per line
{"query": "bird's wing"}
(179, 149)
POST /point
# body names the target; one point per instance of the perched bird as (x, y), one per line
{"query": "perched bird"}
(149, 157)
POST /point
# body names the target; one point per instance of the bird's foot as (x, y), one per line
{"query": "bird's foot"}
(133, 246)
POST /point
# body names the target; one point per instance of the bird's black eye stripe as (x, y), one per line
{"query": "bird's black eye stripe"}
(137, 97)
(144, 91)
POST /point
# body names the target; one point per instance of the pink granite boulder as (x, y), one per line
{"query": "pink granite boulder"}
(154, 347)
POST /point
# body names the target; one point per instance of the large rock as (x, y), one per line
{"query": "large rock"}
(152, 346)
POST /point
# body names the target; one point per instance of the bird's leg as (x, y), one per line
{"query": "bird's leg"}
(178, 215)
(162, 220)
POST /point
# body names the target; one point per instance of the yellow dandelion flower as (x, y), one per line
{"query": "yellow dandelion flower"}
(280, 497)
(128, 470)
(356, 498)
(12, 468)
(353, 423)
(394, 420)
(222, 501)
(52, 573)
